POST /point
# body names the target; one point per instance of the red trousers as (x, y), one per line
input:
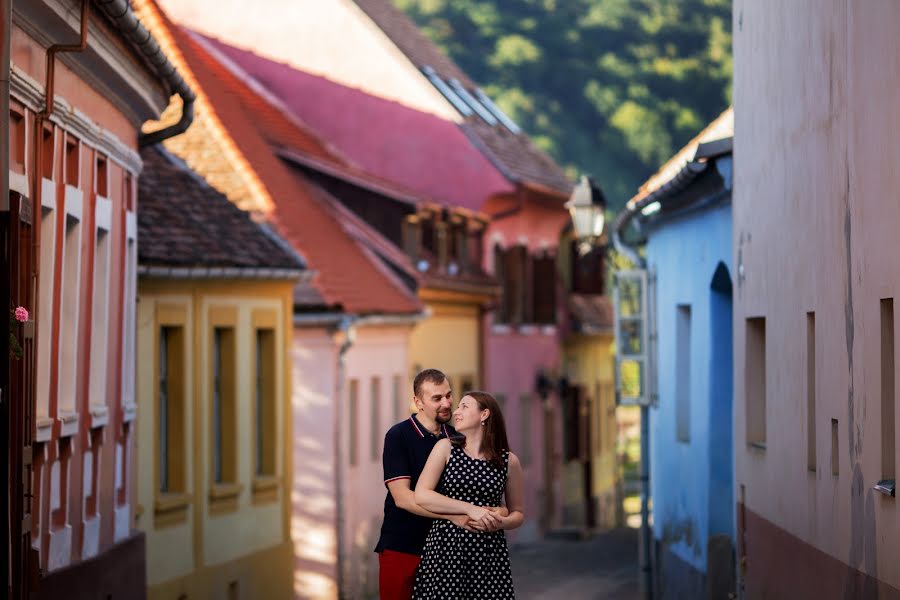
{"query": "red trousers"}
(396, 574)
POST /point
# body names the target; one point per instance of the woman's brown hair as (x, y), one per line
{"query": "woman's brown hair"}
(493, 440)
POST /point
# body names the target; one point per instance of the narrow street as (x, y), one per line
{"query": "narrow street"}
(602, 567)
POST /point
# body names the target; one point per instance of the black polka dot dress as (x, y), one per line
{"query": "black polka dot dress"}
(466, 565)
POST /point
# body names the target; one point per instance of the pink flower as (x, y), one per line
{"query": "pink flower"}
(21, 314)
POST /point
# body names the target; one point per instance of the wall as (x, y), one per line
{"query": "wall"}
(197, 545)
(333, 39)
(685, 254)
(377, 352)
(817, 137)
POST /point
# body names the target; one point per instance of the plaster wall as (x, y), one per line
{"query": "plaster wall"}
(816, 140)
(684, 254)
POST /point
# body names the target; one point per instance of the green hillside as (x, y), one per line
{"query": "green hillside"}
(611, 88)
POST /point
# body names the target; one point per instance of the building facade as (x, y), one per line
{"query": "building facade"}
(74, 128)
(685, 213)
(215, 298)
(815, 287)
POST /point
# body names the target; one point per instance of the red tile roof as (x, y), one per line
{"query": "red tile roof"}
(348, 275)
(413, 149)
(513, 154)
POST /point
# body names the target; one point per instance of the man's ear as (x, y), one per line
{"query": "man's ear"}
(418, 403)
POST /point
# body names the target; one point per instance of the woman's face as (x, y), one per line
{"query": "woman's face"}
(468, 415)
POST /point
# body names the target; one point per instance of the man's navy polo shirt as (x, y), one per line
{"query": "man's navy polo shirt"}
(406, 448)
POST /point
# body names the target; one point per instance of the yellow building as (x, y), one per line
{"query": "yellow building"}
(214, 328)
(590, 468)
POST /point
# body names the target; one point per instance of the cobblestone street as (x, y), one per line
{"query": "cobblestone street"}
(602, 567)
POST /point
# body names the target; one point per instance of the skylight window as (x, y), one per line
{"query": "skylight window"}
(495, 110)
(448, 93)
(463, 93)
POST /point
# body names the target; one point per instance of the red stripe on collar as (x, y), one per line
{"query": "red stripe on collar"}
(416, 425)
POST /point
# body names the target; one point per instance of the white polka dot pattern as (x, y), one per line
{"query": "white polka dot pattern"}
(466, 565)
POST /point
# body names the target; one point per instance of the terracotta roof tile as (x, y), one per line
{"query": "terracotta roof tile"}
(184, 222)
(347, 276)
(513, 154)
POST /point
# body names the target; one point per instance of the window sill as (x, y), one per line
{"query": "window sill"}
(885, 486)
(757, 446)
(43, 429)
(223, 497)
(129, 411)
(171, 509)
(68, 423)
(265, 489)
(99, 416)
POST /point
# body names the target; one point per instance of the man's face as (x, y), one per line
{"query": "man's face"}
(435, 401)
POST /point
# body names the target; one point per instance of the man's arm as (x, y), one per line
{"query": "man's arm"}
(405, 498)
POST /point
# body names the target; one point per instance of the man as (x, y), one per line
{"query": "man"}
(406, 449)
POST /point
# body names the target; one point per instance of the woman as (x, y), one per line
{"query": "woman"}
(465, 476)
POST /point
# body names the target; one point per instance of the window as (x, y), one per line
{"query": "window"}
(588, 270)
(448, 93)
(17, 142)
(353, 419)
(514, 284)
(835, 447)
(376, 433)
(128, 357)
(888, 406)
(412, 236)
(223, 405)
(265, 402)
(429, 234)
(683, 373)
(495, 110)
(501, 313)
(49, 153)
(811, 391)
(69, 313)
(100, 316)
(544, 289)
(101, 183)
(755, 381)
(170, 409)
(525, 410)
(469, 99)
(401, 405)
(72, 161)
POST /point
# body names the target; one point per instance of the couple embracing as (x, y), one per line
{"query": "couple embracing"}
(453, 488)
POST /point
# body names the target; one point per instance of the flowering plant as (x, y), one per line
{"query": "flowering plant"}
(19, 315)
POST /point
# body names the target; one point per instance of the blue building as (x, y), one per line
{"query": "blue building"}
(683, 214)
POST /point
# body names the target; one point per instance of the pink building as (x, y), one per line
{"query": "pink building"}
(817, 138)
(69, 213)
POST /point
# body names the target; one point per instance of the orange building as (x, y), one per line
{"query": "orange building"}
(69, 222)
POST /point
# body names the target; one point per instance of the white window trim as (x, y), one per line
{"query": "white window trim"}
(97, 399)
(67, 411)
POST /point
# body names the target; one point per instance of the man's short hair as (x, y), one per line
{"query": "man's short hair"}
(428, 375)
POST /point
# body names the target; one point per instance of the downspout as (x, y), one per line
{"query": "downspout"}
(121, 14)
(346, 334)
(621, 222)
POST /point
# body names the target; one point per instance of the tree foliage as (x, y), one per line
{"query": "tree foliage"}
(611, 88)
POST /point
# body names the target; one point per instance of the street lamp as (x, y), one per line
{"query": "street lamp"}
(586, 206)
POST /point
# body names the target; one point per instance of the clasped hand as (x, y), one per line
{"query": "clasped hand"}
(480, 518)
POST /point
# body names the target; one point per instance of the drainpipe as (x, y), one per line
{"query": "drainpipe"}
(646, 567)
(121, 14)
(347, 335)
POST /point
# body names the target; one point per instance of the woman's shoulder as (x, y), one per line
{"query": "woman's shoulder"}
(512, 460)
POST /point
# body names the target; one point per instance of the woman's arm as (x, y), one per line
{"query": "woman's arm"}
(432, 501)
(515, 500)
